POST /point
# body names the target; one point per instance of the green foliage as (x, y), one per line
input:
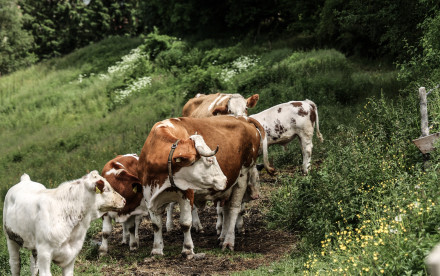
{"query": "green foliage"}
(16, 44)
(422, 68)
(370, 206)
(359, 28)
(58, 27)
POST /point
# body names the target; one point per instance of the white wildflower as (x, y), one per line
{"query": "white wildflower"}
(393, 231)
(103, 77)
(398, 218)
(127, 62)
(238, 66)
(81, 77)
(135, 86)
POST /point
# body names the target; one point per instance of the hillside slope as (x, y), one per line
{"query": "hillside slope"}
(70, 115)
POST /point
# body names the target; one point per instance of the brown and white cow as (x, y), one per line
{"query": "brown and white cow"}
(202, 105)
(285, 121)
(121, 173)
(194, 168)
(252, 193)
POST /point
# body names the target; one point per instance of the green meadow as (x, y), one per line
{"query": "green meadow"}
(369, 206)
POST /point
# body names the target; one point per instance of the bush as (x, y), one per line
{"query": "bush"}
(370, 202)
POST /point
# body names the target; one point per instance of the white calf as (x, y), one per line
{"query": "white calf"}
(285, 121)
(52, 223)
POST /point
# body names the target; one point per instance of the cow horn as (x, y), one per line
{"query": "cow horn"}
(206, 153)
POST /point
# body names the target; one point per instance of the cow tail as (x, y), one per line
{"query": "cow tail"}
(318, 133)
(25, 177)
(263, 138)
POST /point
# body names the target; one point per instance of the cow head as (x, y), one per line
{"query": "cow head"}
(199, 168)
(237, 105)
(106, 198)
(125, 183)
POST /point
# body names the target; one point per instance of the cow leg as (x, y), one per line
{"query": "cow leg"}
(34, 267)
(14, 257)
(185, 225)
(240, 224)
(231, 211)
(106, 231)
(306, 148)
(170, 223)
(68, 269)
(137, 222)
(219, 223)
(156, 220)
(130, 224)
(196, 224)
(125, 233)
(43, 261)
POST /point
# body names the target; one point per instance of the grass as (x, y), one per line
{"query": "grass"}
(64, 117)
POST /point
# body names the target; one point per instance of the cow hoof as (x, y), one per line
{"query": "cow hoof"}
(188, 254)
(170, 227)
(201, 231)
(102, 253)
(134, 246)
(199, 256)
(228, 245)
(157, 252)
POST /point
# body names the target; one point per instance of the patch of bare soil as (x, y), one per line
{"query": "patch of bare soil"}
(258, 246)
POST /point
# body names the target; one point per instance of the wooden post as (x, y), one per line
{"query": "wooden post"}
(424, 122)
(423, 111)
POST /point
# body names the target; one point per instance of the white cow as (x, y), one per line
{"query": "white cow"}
(285, 121)
(52, 223)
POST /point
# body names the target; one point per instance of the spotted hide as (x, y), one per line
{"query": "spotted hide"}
(285, 121)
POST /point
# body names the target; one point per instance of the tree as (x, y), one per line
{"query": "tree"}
(16, 43)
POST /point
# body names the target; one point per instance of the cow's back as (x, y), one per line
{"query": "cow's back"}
(284, 121)
(202, 105)
(20, 212)
(237, 139)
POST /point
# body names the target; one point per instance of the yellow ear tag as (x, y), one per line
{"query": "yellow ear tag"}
(97, 190)
(135, 189)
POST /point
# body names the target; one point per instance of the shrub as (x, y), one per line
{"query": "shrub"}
(370, 202)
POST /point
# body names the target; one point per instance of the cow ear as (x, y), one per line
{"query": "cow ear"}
(124, 175)
(184, 161)
(252, 100)
(222, 110)
(137, 187)
(99, 186)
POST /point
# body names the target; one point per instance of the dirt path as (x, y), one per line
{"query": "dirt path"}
(258, 246)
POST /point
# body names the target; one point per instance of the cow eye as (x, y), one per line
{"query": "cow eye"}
(210, 160)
